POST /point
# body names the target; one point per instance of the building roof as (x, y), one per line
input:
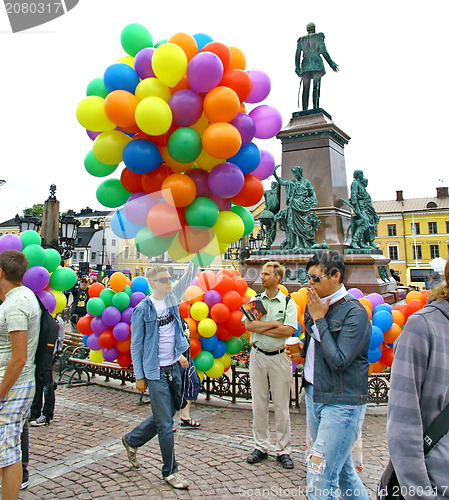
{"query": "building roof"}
(85, 234)
(412, 205)
(9, 223)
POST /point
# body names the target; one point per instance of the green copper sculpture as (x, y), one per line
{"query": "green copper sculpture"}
(298, 220)
(309, 64)
(267, 217)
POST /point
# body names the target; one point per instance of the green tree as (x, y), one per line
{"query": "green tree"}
(36, 209)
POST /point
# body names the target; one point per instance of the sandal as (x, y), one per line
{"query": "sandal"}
(189, 422)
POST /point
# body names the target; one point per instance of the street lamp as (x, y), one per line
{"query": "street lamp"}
(29, 222)
(67, 234)
(2, 182)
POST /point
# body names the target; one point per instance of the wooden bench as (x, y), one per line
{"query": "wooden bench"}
(72, 341)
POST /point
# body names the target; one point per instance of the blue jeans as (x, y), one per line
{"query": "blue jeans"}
(160, 422)
(334, 430)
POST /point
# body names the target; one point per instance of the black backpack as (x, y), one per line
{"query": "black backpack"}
(48, 336)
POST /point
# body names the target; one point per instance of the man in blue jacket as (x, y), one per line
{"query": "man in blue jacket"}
(335, 378)
(157, 344)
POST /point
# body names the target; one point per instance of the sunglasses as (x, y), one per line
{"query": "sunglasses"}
(84, 281)
(164, 279)
(315, 277)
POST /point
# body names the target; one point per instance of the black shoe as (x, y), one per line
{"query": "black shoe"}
(286, 461)
(256, 456)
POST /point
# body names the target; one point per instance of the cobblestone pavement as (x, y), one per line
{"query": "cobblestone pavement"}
(80, 454)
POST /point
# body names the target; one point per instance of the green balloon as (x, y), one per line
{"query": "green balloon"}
(156, 45)
(97, 87)
(151, 245)
(62, 279)
(201, 213)
(97, 168)
(95, 306)
(128, 290)
(203, 259)
(204, 361)
(106, 296)
(135, 37)
(184, 144)
(52, 259)
(111, 193)
(121, 300)
(233, 345)
(30, 238)
(35, 255)
(246, 216)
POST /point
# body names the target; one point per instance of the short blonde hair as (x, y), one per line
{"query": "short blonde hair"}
(279, 269)
(441, 291)
(155, 270)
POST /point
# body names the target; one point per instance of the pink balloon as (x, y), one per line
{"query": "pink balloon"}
(266, 165)
(204, 72)
(268, 121)
(261, 86)
(142, 63)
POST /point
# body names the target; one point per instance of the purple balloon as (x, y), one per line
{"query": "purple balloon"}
(92, 135)
(111, 316)
(222, 203)
(121, 331)
(266, 165)
(137, 207)
(245, 125)
(194, 281)
(375, 299)
(268, 121)
(126, 315)
(260, 86)
(48, 299)
(212, 297)
(136, 297)
(225, 180)
(355, 292)
(199, 177)
(10, 242)
(142, 63)
(98, 325)
(186, 106)
(36, 278)
(204, 72)
(92, 342)
(110, 354)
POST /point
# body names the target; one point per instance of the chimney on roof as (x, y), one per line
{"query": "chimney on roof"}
(442, 192)
(399, 195)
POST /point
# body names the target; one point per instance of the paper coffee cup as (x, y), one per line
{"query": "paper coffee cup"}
(292, 344)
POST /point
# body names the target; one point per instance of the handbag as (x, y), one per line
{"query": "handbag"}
(389, 487)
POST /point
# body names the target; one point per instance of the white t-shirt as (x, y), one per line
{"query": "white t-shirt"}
(166, 326)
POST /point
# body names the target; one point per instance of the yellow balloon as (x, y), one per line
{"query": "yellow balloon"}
(207, 326)
(169, 63)
(152, 87)
(215, 247)
(108, 146)
(90, 113)
(153, 115)
(229, 227)
(129, 60)
(199, 310)
(250, 292)
(225, 359)
(96, 356)
(61, 301)
(177, 252)
(206, 161)
(283, 289)
(200, 375)
(201, 125)
(217, 369)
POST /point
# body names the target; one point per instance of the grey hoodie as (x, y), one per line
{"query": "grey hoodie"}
(419, 392)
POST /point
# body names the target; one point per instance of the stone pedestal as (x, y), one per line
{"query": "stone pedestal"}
(50, 222)
(313, 141)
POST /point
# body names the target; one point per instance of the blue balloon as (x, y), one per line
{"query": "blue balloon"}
(382, 307)
(298, 330)
(141, 156)
(121, 226)
(140, 284)
(209, 343)
(85, 337)
(247, 158)
(377, 337)
(374, 355)
(202, 39)
(120, 76)
(219, 350)
(383, 319)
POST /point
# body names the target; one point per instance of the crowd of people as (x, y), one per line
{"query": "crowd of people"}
(335, 378)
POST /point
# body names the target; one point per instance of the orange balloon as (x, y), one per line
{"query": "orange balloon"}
(186, 42)
(163, 220)
(194, 240)
(194, 294)
(195, 346)
(221, 50)
(221, 140)
(414, 305)
(184, 309)
(425, 294)
(240, 285)
(366, 302)
(377, 367)
(176, 166)
(124, 345)
(192, 325)
(120, 107)
(95, 289)
(238, 59)
(368, 311)
(118, 281)
(221, 104)
(251, 192)
(181, 85)
(239, 81)
(283, 289)
(414, 295)
(220, 312)
(303, 290)
(152, 181)
(398, 317)
(392, 334)
(178, 190)
(300, 299)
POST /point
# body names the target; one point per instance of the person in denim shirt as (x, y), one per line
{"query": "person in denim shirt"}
(157, 344)
(335, 378)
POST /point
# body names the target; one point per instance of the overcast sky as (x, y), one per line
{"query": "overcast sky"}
(390, 95)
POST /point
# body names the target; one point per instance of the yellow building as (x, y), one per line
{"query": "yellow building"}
(412, 232)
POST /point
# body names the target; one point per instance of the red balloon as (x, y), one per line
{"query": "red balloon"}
(95, 289)
(195, 347)
(232, 299)
(207, 280)
(152, 181)
(404, 310)
(239, 81)
(414, 305)
(387, 356)
(251, 192)
(219, 312)
(228, 272)
(83, 325)
(124, 359)
(223, 333)
(234, 323)
(224, 284)
(163, 220)
(240, 285)
(131, 181)
(221, 50)
(107, 340)
(184, 309)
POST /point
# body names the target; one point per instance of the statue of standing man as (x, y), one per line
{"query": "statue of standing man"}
(309, 64)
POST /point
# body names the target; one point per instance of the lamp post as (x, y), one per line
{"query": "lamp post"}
(2, 182)
(29, 222)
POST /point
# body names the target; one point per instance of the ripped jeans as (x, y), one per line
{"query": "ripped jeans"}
(334, 430)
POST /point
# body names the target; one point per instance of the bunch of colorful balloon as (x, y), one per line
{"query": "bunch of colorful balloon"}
(44, 274)
(212, 310)
(106, 328)
(176, 115)
(387, 324)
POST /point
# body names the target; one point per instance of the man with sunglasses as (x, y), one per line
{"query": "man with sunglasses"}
(335, 378)
(157, 344)
(80, 296)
